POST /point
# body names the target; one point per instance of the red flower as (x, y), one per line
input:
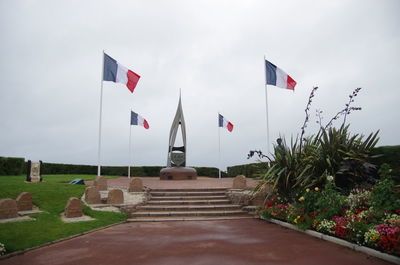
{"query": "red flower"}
(269, 204)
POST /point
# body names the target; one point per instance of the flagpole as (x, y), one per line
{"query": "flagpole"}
(101, 110)
(130, 151)
(266, 105)
(219, 149)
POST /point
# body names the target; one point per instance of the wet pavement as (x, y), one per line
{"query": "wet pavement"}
(233, 242)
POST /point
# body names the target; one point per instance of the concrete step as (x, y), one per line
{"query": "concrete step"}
(185, 198)
(190, 190)
(187, 193)
(200, 218)
(179, 208)
(188, 213)
(193, 202)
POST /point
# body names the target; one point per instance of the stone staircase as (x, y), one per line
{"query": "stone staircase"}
(188, 204)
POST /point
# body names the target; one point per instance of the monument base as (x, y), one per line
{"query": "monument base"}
(178, 173)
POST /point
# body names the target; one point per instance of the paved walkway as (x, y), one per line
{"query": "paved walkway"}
(156, 183)
(244, 242)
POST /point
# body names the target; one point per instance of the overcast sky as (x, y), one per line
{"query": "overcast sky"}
(51, 59)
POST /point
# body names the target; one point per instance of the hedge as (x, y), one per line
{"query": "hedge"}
(12, 166)
(389, 155)
(249, 170)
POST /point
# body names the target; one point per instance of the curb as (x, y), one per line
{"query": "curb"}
(338, 241)
(23, 251)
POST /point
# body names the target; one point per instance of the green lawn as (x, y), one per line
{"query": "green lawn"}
(50, 196)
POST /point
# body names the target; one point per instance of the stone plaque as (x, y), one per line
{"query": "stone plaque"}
(73, 208)
(35, 172)
(178, 159)
(101, 183)
(8, 209)
(239, 182)
(136, 185)
(92, 195)
(24, 202)
(115, 196)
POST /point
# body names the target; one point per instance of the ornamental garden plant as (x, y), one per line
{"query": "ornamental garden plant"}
(328, 182)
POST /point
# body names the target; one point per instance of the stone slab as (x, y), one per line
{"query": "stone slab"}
(8, 209)
(73, 208)
(24, 202)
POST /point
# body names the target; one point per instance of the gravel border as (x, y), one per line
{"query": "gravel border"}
(365, 250)
(23, 251)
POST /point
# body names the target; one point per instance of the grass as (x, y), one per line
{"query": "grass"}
(50, 196)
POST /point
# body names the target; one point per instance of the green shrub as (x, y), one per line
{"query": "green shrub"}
(12, 166)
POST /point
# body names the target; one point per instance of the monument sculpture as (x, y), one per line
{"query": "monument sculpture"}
(176, 162)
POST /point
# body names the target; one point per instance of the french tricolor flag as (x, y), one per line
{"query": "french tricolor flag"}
(117, 73)
(276, 77)
(222, 122)
(136, 119)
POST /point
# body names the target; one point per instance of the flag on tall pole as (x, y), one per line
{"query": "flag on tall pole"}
(117, 73)
(136, 119)
(222, 123)
(113, 71)
(276, 77)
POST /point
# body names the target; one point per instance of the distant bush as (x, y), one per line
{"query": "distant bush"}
(12, 166)
(389, 155)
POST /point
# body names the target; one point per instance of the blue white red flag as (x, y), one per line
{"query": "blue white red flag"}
(136, 119)
(277, 77)
(117, 73)
(222, 122)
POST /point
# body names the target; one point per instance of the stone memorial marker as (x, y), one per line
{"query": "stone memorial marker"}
(239, 182)
(8, 209)
(176, 161)
(115, 197)
(33, 173)
(73, 208)
(24, 202)
(135, 185)
(92, 195)
(101, 183)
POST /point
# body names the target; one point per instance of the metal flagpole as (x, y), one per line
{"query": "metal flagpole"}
(266, 104)
(219, 149)
(130, 152)
(101, 109)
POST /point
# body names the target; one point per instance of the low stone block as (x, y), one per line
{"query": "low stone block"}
(73, 208)
(136, 185)
(92, 195)
(8, 209)
(239, 182)
(101, 183)
(115, 197)
(24, 202)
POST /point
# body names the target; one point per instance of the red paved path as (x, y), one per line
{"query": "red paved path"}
(156, 183)
(234, 242)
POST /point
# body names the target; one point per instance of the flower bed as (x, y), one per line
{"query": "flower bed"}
(365, 217)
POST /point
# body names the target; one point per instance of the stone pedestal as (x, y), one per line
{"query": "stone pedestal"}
(178, 173)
